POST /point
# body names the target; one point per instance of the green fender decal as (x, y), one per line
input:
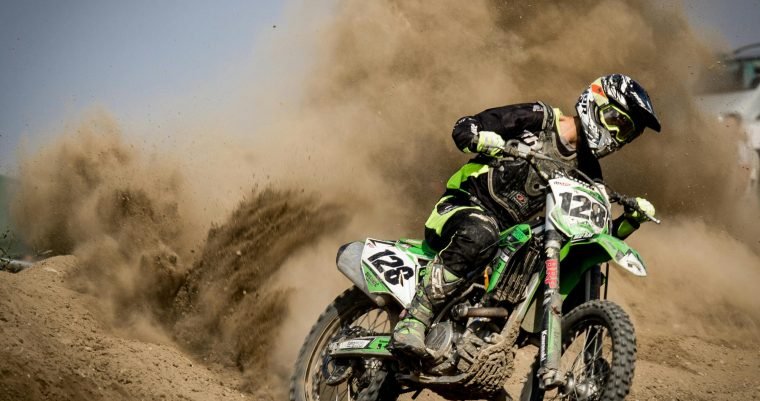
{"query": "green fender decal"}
(379, 343)
(623, 255)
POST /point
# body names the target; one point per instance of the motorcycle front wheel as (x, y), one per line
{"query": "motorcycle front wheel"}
(350, 314)
(598, 356)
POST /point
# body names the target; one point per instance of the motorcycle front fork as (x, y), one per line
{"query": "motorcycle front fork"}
(550, 348)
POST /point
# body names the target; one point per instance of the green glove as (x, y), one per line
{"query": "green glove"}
(644, 205)
(490, 143)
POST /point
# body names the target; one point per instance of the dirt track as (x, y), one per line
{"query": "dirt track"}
(54, 347)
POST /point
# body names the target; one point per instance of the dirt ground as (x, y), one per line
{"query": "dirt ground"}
(53, 346)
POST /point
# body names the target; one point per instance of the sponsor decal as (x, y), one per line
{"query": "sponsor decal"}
(380, 343)
(552, 273)
(543, 346)
(353, 344)
(584, 104)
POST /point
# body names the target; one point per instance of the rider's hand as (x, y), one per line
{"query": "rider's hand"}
(644, 205)
(490, 143)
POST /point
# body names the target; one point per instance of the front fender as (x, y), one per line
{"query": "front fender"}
(576, 258)
(615, 249)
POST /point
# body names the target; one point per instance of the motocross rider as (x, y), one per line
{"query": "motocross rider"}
(491, 193)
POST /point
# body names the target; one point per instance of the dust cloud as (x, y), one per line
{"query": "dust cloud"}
(366, 150)
(225, 309)
(396, 75)
(92, 194)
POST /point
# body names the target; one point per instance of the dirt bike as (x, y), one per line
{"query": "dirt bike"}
(544, 288)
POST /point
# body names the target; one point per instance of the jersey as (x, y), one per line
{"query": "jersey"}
(510, 189)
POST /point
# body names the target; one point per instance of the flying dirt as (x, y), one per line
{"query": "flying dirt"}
(210, 261)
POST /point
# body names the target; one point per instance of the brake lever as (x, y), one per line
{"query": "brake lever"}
(650, 217)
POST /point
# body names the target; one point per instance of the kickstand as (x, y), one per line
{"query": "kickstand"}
(416, 394)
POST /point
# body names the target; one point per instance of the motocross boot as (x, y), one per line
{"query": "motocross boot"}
(432, 292)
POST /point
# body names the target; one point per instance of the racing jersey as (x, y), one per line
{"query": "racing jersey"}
(510, 189)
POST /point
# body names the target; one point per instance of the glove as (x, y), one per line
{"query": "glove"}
(490, 143)
(644, 205)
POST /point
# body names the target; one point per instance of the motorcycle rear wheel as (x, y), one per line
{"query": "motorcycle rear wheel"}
(350, 311)
(598, 355)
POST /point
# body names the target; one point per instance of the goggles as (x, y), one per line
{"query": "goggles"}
(619, 123)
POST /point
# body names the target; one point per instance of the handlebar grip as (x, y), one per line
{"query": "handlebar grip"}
(631, 203)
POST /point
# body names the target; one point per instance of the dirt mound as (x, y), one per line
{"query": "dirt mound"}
(53, 346)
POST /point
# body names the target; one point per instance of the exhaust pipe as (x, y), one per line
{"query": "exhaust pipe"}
(462, 310)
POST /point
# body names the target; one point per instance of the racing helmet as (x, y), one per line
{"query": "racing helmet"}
(614, 110)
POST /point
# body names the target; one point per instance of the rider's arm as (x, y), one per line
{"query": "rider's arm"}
(508, 122)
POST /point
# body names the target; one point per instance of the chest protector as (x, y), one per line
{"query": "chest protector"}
(516, 191)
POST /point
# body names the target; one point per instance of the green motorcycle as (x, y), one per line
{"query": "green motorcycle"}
(544, 288)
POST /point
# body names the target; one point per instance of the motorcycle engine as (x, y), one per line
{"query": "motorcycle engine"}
(440, 344)
(454, 347)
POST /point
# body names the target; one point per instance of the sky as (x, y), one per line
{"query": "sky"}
(737, 21)
(59, 58)
(133, 58)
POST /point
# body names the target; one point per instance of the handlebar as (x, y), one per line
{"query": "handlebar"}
(631, 203)
(522, 151)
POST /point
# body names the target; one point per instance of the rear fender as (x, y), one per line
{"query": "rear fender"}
(349, 261)
(384, 269)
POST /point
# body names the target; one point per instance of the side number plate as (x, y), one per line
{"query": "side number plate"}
(393, 267)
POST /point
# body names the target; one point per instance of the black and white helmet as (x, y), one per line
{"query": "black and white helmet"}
(614, 110)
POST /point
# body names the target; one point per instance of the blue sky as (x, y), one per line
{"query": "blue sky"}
(738, 21)
(58, 59)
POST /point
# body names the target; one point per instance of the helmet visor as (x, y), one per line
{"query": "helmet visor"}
(618, 123)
